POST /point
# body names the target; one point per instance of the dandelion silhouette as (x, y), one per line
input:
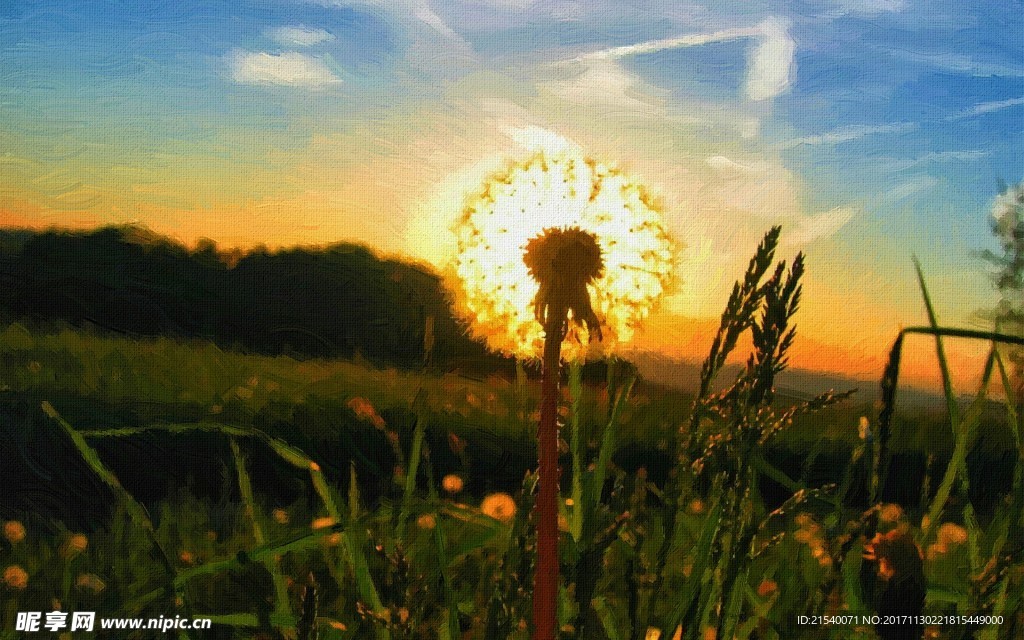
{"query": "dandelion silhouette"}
(559, 257)
(623, 255)
(564, 262)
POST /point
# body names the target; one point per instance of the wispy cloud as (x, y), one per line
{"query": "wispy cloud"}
(770, 68)
(848, 134)
(432, 46)
(809, 228)
(856, 132)
(299, 36)
(872, 7)
(956, 62)
(288, 69)
(653, 46)
(420, 10)
(936, 157)
(914, 186)
(987, 107)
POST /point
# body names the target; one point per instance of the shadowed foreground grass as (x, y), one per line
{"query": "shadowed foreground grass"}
(402, 500)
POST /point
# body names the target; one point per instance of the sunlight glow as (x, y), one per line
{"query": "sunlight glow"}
(557, 186)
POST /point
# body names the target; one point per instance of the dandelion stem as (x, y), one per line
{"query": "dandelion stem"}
(545, 594)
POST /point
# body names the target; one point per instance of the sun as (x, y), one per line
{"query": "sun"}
(558, 187)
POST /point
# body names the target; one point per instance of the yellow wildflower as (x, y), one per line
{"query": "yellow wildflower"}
(74, 545)
(767, 588)
(15, 577)
(499, 506)
(14, 531)
(322, 523)
(950, 533)
(452, 483)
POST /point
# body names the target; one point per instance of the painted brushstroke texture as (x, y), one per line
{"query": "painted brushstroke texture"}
(870, 129)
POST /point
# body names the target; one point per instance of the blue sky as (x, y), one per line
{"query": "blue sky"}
(870, 129)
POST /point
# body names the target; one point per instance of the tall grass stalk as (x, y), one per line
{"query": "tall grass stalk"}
(738, 317)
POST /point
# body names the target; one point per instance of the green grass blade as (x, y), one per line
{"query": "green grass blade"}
(879, 463)
(127, 432)
(578, 509)
(311, 540)
(415, 453)
(940, 351)
(701, 556)
(136, 512)
(353, 492)
(282, 604)
(973, 334)
(957, 466)
(1011, 401)
(451, 625)
(767, 468)
(352, 544)
(607, 618)
(604, 456)
(734, 605)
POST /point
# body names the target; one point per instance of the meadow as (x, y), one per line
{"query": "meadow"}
(301, 498)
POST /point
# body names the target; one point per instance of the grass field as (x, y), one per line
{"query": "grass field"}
(155, 477)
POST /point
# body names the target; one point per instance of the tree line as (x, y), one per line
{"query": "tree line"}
(338, 301)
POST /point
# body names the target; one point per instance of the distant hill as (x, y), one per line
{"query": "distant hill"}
(336, 301)
(796, 384)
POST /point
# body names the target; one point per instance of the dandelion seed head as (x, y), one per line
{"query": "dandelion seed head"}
(558, 187)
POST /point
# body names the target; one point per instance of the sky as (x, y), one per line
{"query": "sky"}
(871, 130)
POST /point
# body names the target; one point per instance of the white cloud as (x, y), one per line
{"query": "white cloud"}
(856, 132)
(771, 66)
(604, 83)
(772, 63)
(956, 62)
(299, 36)
(432, 47)
(288, 69)
(401, 10)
